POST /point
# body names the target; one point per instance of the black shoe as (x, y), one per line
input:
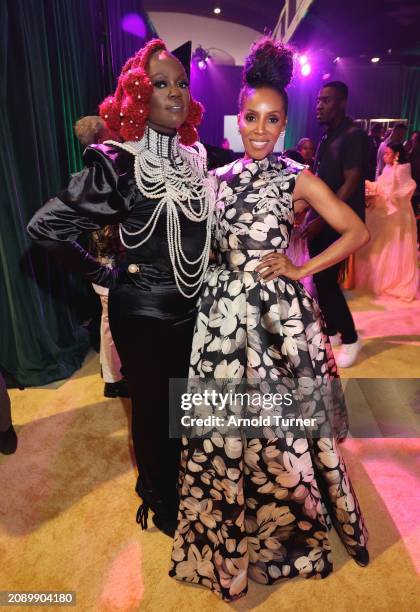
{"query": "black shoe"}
(165, 515)
(362, 558)
(8, 441)
(166, 525)
(118, 389)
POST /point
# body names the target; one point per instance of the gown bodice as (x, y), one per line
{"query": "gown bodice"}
(254, 209)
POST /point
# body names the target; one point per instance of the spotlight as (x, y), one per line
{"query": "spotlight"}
(303, 60)
(201, 58)
(306, 69)
(134, 24)
(326, 76)
(337, 59)
(375, 60)
(217, 10)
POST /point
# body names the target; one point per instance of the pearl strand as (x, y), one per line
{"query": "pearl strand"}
(174, 256)
(177, 185)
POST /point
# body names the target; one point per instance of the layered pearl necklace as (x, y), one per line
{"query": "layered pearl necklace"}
(175, 174)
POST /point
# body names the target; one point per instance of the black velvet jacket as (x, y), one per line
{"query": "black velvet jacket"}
(105, 193)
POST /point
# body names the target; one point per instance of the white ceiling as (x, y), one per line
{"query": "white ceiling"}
(231, 41)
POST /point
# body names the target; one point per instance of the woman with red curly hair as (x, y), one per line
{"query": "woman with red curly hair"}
(153, 184)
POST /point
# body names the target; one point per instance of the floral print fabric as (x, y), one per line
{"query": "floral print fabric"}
(261, 507)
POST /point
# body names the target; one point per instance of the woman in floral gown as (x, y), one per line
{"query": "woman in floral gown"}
(261, 506)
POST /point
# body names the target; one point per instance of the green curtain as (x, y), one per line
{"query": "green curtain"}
(411, 97)
(301, 113)
(49, 77)
(73, 31)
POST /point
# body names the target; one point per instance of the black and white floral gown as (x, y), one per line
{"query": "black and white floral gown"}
(261, 507)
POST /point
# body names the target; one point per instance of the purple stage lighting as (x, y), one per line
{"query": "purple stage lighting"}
(134, 24)
(306, 69)
(201, 58)
(303, 60)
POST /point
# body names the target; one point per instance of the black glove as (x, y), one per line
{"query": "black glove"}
(77, 259)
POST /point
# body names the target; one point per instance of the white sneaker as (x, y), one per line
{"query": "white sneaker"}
(335, 340)
(348, 354)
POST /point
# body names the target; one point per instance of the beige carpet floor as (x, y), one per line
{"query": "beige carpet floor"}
(67, 501)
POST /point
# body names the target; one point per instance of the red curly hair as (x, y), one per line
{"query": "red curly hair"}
(126, 112)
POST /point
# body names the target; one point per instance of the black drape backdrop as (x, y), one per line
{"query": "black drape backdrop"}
(55, 66)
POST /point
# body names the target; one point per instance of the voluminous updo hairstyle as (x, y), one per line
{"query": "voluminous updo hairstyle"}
(269, 64)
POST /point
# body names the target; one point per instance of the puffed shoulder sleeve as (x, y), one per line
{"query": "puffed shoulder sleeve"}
(100, 194)
(103, 193)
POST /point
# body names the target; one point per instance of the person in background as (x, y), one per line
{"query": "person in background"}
(106, 247)
(92, 130)
(412, 143)
(396, 136)
(374, 141)
(341, 162)
(8, 437)
(294, 154)
(219, 156)
(412, 149)
(306, 148)
(387, 266)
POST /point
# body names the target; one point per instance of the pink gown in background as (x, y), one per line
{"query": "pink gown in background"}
(387, 265)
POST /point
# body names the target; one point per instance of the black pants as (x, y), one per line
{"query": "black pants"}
(152, 351)
(333, 304)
